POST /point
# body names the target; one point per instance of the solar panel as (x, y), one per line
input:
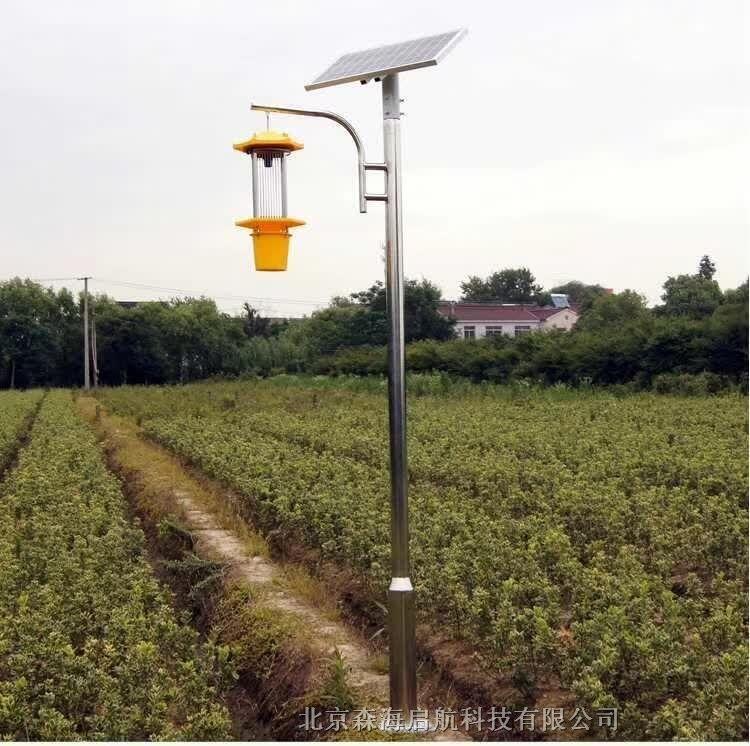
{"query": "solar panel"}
(392, 58)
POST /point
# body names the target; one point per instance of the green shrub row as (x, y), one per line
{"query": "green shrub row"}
(89, 645)
(579, 359)
(16, 409)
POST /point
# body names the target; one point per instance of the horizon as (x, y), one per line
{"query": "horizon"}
(236, 310)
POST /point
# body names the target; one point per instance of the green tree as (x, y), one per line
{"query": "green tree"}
(421, 317)
(331, 329)
(362, 319)
(693, 296)
(132, 345)
(208, 341)
(254, 324)
(706, 268)
(69, 329)
(505, 286)
(159, 342)
(610, 313)
(727, 333)
(30, 338)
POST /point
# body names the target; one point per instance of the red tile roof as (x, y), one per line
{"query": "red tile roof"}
(545, 313)
(496, 312)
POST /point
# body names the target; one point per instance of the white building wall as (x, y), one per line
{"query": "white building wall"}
(565, 319)
(480, 327)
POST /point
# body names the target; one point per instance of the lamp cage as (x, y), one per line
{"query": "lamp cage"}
(270, 224)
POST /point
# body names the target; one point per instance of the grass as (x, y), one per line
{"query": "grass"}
(300, 583)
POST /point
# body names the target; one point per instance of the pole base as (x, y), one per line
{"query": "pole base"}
(403, 648)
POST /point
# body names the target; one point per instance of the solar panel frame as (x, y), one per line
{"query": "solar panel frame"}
(378, 62)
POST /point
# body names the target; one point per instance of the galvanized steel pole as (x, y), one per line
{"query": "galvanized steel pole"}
(403, 674)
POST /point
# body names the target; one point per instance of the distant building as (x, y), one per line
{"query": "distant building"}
(136, 303)
(475, 320)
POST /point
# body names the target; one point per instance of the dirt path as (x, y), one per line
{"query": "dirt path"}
(219, 543)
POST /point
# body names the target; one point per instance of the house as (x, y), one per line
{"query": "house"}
(474, 320)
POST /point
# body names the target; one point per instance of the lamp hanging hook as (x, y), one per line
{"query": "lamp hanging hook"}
(268, 121)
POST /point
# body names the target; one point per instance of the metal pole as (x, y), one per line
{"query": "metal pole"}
(254, 166)
(403, 674)
(86, 373)
(284, 207)
(94, 361)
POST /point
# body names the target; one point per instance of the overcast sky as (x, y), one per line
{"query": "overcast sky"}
(604, 141)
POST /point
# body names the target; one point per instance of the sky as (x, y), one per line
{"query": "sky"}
(596, 140)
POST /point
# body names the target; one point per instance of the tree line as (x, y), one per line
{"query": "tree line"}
(698, 329)
(695, 341)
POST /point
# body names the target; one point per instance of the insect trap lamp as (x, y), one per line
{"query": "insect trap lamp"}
(270, 224)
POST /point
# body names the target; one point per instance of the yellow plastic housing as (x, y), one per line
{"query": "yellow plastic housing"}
(269, 225)
(271, 251)
(268, 139)
(270, 241)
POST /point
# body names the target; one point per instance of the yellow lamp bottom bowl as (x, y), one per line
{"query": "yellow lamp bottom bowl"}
(271, 251)
(270, 241)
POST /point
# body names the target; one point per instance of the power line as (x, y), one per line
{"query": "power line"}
(53, 279)
(211, 295)
(143, 286)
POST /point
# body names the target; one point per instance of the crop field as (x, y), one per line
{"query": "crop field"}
(89, 644)
(577, 541)
(16, 407)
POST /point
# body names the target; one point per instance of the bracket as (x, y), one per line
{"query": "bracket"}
(362, 165)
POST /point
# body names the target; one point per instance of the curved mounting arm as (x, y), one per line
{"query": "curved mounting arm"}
(362, 165)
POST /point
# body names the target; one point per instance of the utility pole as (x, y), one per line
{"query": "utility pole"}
(86, 373)
(94, 360)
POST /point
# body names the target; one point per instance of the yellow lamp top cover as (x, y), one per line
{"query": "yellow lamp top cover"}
(268, 139)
